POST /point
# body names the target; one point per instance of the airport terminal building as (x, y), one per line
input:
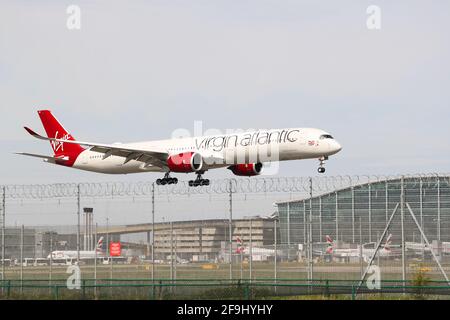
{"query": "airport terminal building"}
(361, 212)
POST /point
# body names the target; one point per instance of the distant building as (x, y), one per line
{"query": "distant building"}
(13, 241)
(339, 213)
(206, 239)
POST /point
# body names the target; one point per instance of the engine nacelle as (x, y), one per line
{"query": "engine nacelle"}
(248, 170)
(185, 162)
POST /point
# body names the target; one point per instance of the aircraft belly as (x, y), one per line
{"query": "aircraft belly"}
(114, 165)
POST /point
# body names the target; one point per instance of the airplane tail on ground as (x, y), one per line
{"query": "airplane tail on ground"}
(99, 247)
(387, 245)
(55, 130)
(330, 244)
(240, 247)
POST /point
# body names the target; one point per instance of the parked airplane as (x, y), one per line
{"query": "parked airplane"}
(423, 248)
(73, 254)
(417, 247)
(367, 253)
(255, 251)
(242, 153)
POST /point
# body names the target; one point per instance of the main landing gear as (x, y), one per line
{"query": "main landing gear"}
(199, 181)
(322, 160)
(166, 180)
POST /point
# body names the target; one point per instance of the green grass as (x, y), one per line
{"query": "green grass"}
(202, 289)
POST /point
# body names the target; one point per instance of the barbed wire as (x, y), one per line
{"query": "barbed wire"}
(217, 186)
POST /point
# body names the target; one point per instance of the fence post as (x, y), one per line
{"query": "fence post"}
(153, 240)
(3, 226)
(22, 230)
(51, 261)
(246, 292)
(327, 288)
(95, 263)
(171, 257)
(402, 229)
(238, 284)
(310, 236)
(78, 223)
(55, 292)
(8, 289)
(83, 285)
(276, 248)
(251, 251)
(353, 293)
(152, 292)
(230, 229)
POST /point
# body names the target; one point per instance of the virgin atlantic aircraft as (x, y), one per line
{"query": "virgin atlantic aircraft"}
(242, 153)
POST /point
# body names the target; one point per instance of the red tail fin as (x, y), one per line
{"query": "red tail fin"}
(329, 244)
(387, 245)
(99, 245)
(55, 130)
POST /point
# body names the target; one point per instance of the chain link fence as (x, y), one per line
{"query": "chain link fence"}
(267, 235)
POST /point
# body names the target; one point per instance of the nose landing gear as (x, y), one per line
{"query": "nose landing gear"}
(166, 180)
(322, 160)
(199, 181)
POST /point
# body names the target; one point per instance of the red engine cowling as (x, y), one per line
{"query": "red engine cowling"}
(185, 162)
(251, 169)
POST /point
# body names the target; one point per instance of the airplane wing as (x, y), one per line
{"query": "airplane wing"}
(45, 158)
(154, 157)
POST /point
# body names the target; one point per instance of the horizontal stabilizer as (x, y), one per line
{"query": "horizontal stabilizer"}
(46, 158)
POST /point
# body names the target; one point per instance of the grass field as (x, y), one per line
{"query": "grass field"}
(291, 270)
(206, 281)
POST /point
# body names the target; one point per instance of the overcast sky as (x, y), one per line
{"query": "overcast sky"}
(138, 70)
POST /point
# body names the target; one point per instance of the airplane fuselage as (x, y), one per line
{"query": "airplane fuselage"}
(245, 147)
(244, 153)
(66, 254)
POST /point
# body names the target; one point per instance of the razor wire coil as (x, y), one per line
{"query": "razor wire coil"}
(217, 186)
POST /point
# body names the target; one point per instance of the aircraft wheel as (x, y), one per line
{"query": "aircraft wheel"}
(158, 181)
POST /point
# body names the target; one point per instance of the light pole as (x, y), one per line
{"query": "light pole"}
(78, 223)
(3, 232)
(230, 231)
(153, 234)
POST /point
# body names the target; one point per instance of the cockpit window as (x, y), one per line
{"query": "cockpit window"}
(326, 136)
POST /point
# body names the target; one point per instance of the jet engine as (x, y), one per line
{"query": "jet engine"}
(185, 162)
(248, 170)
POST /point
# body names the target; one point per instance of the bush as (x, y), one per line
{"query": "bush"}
(420, 279)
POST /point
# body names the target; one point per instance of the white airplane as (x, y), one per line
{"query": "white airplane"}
(242, 153)
(367, 253)
(419, 248)
(73, 254)
(241, 249)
